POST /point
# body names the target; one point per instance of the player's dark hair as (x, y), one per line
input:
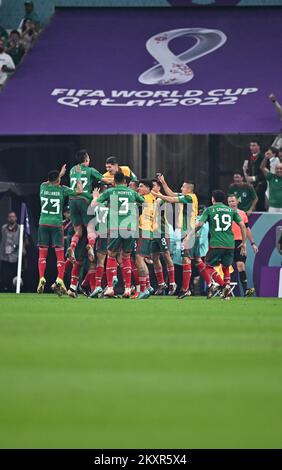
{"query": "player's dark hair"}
(111, 161)
(81, 156)
(218, 195)
(255, 141)
(147, 183)
(15, 31)
(53, 176)
(119, 177)
(232, 195)
(238, 172)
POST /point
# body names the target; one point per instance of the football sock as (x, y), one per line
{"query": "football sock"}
(186, 276)
(243, 280)
(215, 276)
(92, 279)
(171, 276)
(143, 282)
(226, 274)
(159, 275)
(99, 275)
(111, 270)
(60, 262)
(134, 271)
(42, 261)
(126, 271)
(204, 272)
(91, 238)
(75, 275)
(74, 241)
(68, 265)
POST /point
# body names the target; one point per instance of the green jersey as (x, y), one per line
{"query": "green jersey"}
(220, 218)
(86, 175)
(187, 212)
(245, 194)
(52, 201)
(275, 190)
(101, 213)
(121, 201)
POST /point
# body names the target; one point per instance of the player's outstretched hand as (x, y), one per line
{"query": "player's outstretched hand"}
(96, 193)
(63, 170)
(154, 193)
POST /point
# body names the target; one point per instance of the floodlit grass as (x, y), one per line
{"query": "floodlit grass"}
(157, 373)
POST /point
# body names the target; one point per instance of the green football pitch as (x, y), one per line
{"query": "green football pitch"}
(157, 373)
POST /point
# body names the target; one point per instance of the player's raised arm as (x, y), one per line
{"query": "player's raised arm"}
(167, 189)
(171, 199)
(63, 170)
(96, 174)
(263, 168)
(95, 194)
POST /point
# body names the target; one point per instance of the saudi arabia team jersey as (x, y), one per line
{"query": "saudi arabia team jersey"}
(52, 202)
(146, 219)
(275, 190)
(187, 211)
(220, 218)
(121, 202)
(123, 169)
(86, 175)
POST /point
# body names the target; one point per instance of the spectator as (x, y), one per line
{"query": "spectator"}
(30, 14)
(254, 175)
(277, 143)
(6, 64)
(275, 185)
(244, 192)
(14, 47)
(277, 105)
(9, 248)
(273, 161)
(29, 34)
(3, 34)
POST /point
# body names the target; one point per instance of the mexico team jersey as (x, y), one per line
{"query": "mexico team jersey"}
(245, 194)
(121, 201)
(188, 211)
(146, 219)
(101, 213)
(275, 190)
(220, 218)
(86, 176)
(125, 170)
(235, 227)
(52, 201)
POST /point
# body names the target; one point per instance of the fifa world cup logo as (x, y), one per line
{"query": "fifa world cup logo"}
(173, 69)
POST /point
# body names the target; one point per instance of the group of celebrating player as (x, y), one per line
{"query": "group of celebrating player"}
(125, 222)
